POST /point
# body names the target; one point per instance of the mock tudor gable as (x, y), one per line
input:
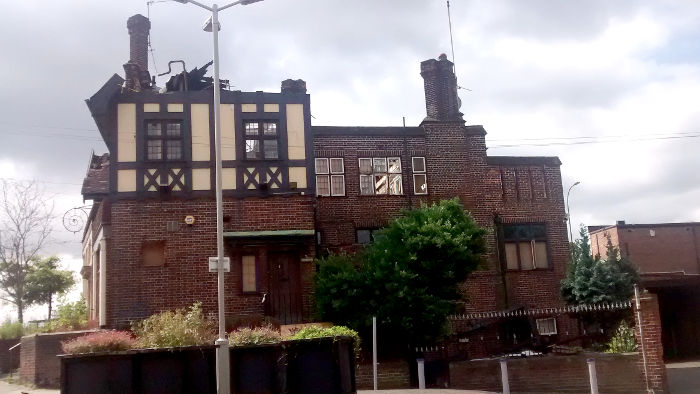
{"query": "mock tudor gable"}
(291, 192)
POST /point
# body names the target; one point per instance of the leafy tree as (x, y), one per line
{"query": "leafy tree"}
(409, 276)
(25, 226)
(591, 280)
(44, 280)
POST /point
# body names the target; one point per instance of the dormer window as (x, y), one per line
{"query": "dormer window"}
(261, 140)
(163, 140)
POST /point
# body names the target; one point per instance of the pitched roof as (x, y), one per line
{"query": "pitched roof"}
(96, 180)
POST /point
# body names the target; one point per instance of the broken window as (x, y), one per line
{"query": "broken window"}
(261, 140)
(330, 178)
(164, 140)
(420, 178)
(525, 246)
(380, 175)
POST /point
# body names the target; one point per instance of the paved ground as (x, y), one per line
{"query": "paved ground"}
(7, 388)
(684, 377)
(427, 391)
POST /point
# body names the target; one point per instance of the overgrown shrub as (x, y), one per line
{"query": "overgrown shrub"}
(324, 332)
(181, 327)
(254, 336)
(11, 330)
(623, 341)
(103, 341)
(72, 315)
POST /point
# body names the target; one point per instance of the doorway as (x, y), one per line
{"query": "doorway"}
(285, 287)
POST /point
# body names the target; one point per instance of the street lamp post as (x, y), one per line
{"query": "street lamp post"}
(223, 383)
(568, 211)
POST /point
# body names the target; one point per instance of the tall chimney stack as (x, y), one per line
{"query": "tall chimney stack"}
(440, 83)
(139, 26)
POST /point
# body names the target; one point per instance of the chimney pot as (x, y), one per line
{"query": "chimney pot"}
(440, 84)
(620, 223)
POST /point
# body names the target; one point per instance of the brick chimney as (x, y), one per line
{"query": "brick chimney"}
(440, 83)
(136, 69)
(294, 86)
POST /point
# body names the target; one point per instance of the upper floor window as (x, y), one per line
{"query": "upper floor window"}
(526, 246)
(164, 140)
(380, 175)
(330, 177)
(261, 140)
(420, 178)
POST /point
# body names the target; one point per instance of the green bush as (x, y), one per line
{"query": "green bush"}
(623, 341)
(254, 336)
(103, 341)
(325, 332)
(72, 315)
(181, 327)
(11, 330)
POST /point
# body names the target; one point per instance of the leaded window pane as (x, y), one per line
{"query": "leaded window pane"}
(270, 128)
(322, 185)
(271, 151)
(379, 164)
(173, 129)
(321, 166)
(155, 150)
(153, 128)
(174, 149)
(252, 149)
(337, 166)
(365, 166)
(366, 185)
(251, 128)
(337, 185)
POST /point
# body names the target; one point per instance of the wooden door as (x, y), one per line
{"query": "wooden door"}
(285, 287)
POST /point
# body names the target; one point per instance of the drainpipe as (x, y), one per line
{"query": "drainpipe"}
(103, 282)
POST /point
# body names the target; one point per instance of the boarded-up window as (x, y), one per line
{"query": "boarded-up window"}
(525, 246)
(250, 280)
(153, 253)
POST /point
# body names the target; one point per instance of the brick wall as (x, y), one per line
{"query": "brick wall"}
(9, 360)
(135, 291)
(650, 338)
(651, 253)
(616, 373)
(390, 375)
(38, 362)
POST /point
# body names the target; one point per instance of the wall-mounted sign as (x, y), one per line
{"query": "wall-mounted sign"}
(189, 220)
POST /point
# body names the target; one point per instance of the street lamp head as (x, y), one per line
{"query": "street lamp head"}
(244, 2)
(182, 1)
(576, 183)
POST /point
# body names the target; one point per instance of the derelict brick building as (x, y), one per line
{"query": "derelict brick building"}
(292, 191)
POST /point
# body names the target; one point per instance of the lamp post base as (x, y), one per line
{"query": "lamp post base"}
(223, 382)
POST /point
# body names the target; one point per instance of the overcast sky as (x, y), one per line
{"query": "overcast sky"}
(611, 87)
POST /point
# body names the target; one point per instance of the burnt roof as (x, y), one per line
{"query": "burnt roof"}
(523, 161)
(367, 130)
(96, 182)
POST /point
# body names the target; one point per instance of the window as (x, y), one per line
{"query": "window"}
(366, 235)
(547, 326)
(164, 140)
(330, 177)
(249, 274)
(380, 175)
(153, 253)
(261, 140)
(420, 178)
(526, 246)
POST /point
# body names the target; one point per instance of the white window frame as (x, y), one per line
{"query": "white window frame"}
(374, 174)
(329, 175)
(539, 329)
(417, 173)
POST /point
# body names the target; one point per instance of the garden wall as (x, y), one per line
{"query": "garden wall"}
(9, 360)
(390, 375)
(39, 365)
(617, 373)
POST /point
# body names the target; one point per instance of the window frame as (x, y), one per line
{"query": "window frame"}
(372, 232)
(328, 174)
(387, 174)
(164, 138)
(261, 137)
(549, 333)
(419, 173)
(533, 241)
(256, 271)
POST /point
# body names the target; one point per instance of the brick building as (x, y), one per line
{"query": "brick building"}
(291, 191)
(668, 258)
